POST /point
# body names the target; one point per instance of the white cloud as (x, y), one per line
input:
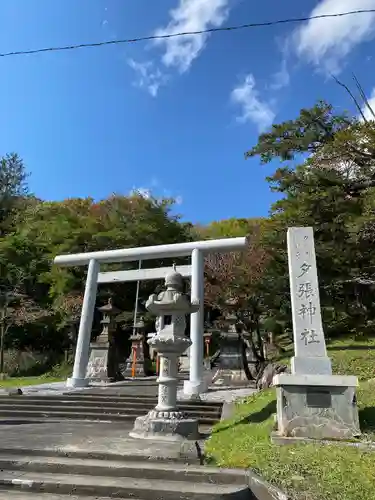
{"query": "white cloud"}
(326, 42)
(149, 77)
(252, 107)
(190, 15)
(281, 78)
(178, 53)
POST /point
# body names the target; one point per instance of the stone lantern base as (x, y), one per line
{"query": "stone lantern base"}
(231, 369)
(168, 426)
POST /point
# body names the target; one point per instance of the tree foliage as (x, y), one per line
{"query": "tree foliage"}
(14, 194)
(311, 130)
(332, 190)
(44, 229)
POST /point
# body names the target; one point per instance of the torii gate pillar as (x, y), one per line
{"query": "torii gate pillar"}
(196, 384)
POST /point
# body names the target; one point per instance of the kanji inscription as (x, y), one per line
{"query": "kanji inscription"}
(304, 289)
(309, 336)
(304, 268)
(307, 311)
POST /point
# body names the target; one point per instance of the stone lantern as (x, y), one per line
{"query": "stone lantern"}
(135, 364)
(98, 369)
(171, 307)
(230, 362)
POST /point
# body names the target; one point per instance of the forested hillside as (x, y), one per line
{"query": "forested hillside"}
(324, 170)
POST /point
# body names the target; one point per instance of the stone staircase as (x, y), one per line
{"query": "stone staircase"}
(50, 475)
(96, 406)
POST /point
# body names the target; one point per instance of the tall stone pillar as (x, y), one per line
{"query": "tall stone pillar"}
(196, 384)
(81, 358)
(311, 402)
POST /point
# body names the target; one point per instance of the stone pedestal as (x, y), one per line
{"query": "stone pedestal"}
(317, 406)
(230, 362)
(167, 426)
(166, 422)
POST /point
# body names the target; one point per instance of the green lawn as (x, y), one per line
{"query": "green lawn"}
(15, 382)
(305, 472)
(349, 357)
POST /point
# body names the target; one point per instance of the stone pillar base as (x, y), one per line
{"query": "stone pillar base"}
(165, 426)
(310, 365)
(194, 389)
(73, 382)
(317, 406)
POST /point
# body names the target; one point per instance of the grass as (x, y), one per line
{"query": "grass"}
(14, 382)
(349, 356)
(309, 471)
(353, 358)
(57, 373)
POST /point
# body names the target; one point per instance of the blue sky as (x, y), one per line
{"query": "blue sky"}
(172, 117)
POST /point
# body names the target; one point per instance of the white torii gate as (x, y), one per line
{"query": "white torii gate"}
(197, 250)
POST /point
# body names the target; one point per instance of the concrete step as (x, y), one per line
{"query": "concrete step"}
(107, 403)
(83, 415)
(105, 409)
(186, 456)
(24, 495)
(120, 487)
(112, 468)
(114, 398)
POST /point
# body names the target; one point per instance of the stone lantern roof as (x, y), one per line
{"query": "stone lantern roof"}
(109, 308)
(140, 324)
(174, 279)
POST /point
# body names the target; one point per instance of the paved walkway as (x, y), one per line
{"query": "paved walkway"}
(227, 395)
(146, 386)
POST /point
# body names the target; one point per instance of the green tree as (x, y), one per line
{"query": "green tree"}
(13, 188)
(311, 130)
(330, 190)
(45, 229)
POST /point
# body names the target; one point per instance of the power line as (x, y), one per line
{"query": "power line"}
(186, 33)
